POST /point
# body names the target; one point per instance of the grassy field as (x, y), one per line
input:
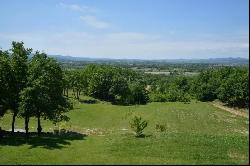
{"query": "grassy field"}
(196, 133)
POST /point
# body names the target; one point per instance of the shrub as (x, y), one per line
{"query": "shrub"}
(160, 127)
(158, 97)
(138, 125)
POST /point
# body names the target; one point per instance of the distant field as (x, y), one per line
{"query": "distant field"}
(168, 73)
(158, 72)
(196, 133)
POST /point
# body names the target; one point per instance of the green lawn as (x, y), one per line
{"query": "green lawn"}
(196, 133)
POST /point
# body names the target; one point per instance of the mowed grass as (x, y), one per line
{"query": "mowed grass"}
(196, 133)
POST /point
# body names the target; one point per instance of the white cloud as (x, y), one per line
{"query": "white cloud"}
(128, 45)
(90, 20)
(94, 22)
(78, 8)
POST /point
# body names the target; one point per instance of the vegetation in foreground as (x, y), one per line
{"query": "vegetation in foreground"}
(195, 133)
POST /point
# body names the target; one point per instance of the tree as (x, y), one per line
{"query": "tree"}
(66, 82)
(19, 68)
(109, 83)
(181, 83)
(78, 82)
(27, 106)
(100, 83)
(5, 76)
(234, 90)
(43, 96)
(119, 89)
(204, 87)
(138, 93)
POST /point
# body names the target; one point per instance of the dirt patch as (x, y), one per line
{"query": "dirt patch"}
(237, 156)
(96, 131)
(231, 110)
(245, 132)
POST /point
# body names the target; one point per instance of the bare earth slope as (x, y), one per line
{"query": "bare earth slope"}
(231, 110)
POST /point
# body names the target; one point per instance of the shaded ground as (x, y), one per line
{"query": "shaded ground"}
(46, 140)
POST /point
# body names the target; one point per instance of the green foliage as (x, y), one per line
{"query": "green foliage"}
(138, 125)
(158, 97)
(19, 66)
(31, 88)
(100, 83)
(229, 84)
(204, 87)
(172, 89)
(5, 78)
(43, 96)
(17, 63)
(138, 93)
(108, 83)
(234, 91)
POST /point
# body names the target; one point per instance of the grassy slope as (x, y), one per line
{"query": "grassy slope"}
(197, 133)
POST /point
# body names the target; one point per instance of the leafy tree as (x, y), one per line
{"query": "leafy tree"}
(43, 96)
(78, 82)
(27, 106)
(5, 76)
(19, 66)
(100, 83)
(204, 88)
(119, 89)
(66, 82)
(138, 93)
(181, 83)
(229, 84)
(110, 83)
(235, 89)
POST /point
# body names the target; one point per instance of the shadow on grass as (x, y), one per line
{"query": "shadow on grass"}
(45, 140)
(90, 101)
(143, 136)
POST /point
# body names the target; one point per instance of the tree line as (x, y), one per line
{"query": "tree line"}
(227, 84)
(31, 87)
(126, 86)
(109, 83)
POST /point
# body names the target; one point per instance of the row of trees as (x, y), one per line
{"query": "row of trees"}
(228, 84)
(125, 86)
(31, 87)
(170, 88)
(108, 83)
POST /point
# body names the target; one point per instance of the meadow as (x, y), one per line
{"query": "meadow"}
(196, 133)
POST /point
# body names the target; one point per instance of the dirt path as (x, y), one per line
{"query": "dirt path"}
(231, 110)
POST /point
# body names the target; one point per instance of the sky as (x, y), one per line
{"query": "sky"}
(128, 29)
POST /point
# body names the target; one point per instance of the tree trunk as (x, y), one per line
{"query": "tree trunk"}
(1, 135)
(39, 128)
(27, 126)
(74, 93)
(77, 95)
(67, 91)
(13, 122)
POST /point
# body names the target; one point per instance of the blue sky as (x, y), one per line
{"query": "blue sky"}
(142, 29)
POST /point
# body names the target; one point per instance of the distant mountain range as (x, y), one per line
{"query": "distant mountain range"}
(228, 60)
